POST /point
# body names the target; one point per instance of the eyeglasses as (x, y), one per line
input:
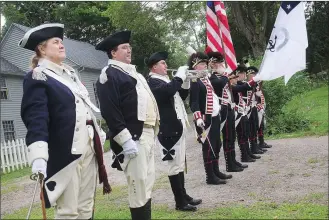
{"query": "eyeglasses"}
(126, 47)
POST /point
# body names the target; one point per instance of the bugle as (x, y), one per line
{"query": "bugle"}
(192, 74)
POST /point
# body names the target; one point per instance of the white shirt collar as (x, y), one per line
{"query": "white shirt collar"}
(162, 77)
(126, 67)
(58, 69)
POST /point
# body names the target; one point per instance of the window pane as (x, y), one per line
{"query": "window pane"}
(3, 95)
(9, 136)
(8, 130)
(3, 82)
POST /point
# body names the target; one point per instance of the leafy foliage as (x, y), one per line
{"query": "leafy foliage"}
(277, 95)
(84, 21)
(318, 32)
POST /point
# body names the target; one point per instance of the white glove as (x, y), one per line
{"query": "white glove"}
(186, 84)
(258, 93)
(39, 165)
(221, 70)
(130, 149)
(256, 78)
(181, 72)
(200, 123)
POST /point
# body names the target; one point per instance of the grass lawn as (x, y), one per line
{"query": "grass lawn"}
(8, 178)
(115, 206)
(313, 106)
(107, 146)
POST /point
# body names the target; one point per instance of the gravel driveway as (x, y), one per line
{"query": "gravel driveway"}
(292, 169)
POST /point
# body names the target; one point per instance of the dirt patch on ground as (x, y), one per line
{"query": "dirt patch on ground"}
(293, 170)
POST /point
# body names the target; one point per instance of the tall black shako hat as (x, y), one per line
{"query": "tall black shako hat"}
(195, 57)
(215, 57)
(155, 57)
(37, 35)
(112, 41)
(252, 70)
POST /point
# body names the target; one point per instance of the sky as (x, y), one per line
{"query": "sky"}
(2, 21)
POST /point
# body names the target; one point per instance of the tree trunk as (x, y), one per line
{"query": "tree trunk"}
(246, 23)
(258, 49)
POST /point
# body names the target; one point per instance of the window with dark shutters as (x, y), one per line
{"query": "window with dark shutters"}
(8, 130)
(4, 88)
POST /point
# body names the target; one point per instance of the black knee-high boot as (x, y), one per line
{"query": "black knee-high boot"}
(143, 212)
(219, 174)
(236, 162)
(230, 165)
(244, 154)
(177, 189)
(188, 198)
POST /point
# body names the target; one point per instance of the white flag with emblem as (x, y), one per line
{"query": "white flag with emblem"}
(286, 50)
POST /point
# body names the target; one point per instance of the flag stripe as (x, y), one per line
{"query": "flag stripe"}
(226, 36)
(218, 33)
(214, 42)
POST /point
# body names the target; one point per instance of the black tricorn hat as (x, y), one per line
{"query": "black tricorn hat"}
(37, 35)
(252, 70)
(197, 58)
(240, 69)
(215, 57)
(110, 42)
(156, 57)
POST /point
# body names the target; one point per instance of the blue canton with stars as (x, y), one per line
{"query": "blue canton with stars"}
(288, 6)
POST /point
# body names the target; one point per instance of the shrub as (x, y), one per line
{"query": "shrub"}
(277, 94)
(286, 122)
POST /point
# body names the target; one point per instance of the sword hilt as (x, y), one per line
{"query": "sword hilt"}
(37, 176)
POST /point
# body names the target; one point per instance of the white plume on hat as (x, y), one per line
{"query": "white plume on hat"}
(190, 50)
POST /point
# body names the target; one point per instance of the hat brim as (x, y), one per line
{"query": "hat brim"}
(156, 57)
(114, 40)
(37, 35)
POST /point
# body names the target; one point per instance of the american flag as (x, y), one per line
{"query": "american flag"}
(218, 33)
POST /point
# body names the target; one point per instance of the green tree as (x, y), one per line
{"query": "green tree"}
(84, 21)
(29, 13)
(147, 33)
(93, 21)
(253, 20)
(318, 41)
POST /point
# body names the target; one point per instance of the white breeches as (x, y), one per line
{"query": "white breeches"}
(140, 171)
(177, 165)
(77, 200)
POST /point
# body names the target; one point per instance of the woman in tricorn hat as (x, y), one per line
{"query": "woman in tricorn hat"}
(63, 138)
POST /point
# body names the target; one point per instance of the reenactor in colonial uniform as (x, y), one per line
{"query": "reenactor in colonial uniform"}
(241, 123)
(173, 124)
(64, 141)
(261, 116)
(131, 113)
(205, 107)
(253, 114)
(222, 87)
